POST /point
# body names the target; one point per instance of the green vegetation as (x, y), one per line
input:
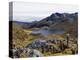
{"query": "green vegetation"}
(25, 40)
(23, 37)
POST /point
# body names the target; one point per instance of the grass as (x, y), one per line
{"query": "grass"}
(22, 38)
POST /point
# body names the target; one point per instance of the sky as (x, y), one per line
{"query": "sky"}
(23, 11)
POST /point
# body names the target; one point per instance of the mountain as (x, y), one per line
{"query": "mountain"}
(19, 22)
(64, 21)
(56, 18)
(27, 18)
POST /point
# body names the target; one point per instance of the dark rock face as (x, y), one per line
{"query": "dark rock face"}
(60, 17)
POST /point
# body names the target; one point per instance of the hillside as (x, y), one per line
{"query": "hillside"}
(66, 21)
(53, 35)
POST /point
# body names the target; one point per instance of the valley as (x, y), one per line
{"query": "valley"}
(54, 35)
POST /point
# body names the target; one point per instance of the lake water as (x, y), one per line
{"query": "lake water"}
(47, 32)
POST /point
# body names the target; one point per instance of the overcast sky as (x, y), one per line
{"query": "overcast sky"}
(21, 10)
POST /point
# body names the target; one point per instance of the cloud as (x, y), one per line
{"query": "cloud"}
(40, 9)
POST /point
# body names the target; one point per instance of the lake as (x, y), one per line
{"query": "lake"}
(48, 32)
